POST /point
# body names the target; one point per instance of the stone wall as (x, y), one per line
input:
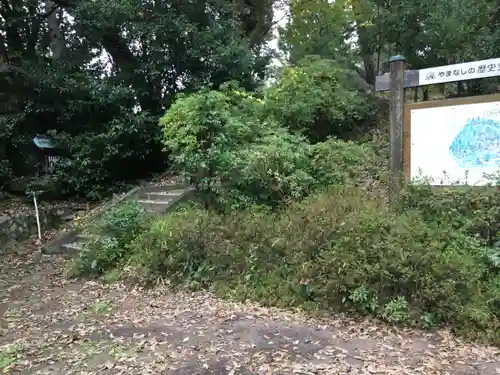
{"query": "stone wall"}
(19, 227)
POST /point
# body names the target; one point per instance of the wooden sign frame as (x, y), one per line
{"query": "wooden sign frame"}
(396, 82)
(408, 107)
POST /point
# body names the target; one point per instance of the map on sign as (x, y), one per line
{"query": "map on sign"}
(477, 144)
(458, 144)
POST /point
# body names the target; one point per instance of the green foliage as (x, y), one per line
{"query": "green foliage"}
(201, 132)
(316, 27)
(106, 112)
(342, 162)
(154, 251)
(103, 141)
(111, 236)
(319, 98)
(396, 311)
(341, 249)
(226, 136)
(9, 356)
(476, 210)
(425, 32)
(125, 149)
(5, 172)
(274, 169)
(363, 299)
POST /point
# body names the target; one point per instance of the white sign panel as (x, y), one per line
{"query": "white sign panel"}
(459, 72)
(456, 144)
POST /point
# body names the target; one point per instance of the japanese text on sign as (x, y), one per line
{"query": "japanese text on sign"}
(459, 72)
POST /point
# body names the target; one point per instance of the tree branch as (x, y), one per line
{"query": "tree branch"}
(52, 10)
(64, 3)
(6, 68)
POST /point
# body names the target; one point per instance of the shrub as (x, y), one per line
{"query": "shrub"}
(106, 142)
(273, 169)
(111, 235)
(337, 250)
(342, 162)
(318, 97)
(202, 130)
(161, 251)
(218, 136)
(434, 268)
(475, 210)
(122, 150)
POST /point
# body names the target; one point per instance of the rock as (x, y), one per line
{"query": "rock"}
(45, 185)
(4, 222)
(20, 225)
(18, 185)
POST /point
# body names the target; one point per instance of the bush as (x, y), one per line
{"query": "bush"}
(218, 136)
(342, 162)
(106, 142)
(122, 150)
(160, 251)
(201, 131)
(475, 210)
(108, 247)
(273, 169)
(338, 250)
(319, 98)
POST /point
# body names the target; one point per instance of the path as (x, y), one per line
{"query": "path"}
(57, 327)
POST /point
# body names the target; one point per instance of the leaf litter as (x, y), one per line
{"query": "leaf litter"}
(51, 325)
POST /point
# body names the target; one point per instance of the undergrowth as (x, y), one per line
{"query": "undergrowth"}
(341, 250)
(110, 237)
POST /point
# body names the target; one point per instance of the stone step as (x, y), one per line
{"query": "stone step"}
(163, 193)
(156, 206)
(73, 246)
(83, 237)
(154, 202)
(155, 199)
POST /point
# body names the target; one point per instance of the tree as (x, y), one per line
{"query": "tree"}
(364, 33)
(101, 72)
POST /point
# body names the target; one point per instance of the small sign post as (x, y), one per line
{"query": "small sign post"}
(51, 152)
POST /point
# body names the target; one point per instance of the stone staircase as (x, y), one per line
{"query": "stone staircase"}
(156, 199)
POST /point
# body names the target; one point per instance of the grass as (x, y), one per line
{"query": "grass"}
(9, 357)
(102, 307)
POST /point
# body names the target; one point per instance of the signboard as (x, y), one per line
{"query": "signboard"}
(454, 141)
(43, 142)
(50, 150)
(459, 72)
(444, 74)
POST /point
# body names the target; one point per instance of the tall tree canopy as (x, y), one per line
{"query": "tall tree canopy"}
(153, 46)
(364, 33)
(103, 71)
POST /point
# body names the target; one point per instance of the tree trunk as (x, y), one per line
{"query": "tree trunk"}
(55, 35)
(367, 46)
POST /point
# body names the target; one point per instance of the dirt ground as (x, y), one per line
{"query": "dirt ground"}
(50, 325)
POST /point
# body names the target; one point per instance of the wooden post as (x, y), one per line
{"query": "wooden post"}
(397, 64)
